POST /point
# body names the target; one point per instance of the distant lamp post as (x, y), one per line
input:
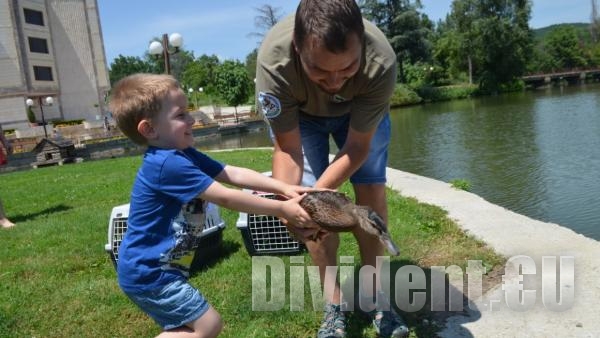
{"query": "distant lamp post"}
(191, 91)
(49, 101)
(157, 48)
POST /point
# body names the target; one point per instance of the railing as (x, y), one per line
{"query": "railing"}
(78, 135)
(227, 119)
(562, 72)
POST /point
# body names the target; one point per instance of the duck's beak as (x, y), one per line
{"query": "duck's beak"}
(384, 235)
(392, 248)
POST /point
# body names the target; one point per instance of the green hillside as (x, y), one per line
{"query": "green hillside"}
(582, 28)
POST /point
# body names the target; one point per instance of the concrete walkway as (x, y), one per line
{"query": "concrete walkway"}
(511, 235)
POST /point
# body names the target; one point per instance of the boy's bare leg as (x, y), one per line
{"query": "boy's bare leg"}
(3, 220)
(209, 325)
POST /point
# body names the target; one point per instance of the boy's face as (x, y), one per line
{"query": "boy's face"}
(172, 127)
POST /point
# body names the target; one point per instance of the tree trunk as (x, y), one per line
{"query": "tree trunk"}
(400, 70)
(470, 61)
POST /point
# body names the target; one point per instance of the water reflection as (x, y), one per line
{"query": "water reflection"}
(534, 153)
(253, 139)
(570, 137)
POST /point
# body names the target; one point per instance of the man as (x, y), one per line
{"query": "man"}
(326, 71)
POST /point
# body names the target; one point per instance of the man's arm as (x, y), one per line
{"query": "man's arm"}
(352, 155)
(288, 163)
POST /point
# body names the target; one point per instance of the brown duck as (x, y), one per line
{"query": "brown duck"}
(335, 212)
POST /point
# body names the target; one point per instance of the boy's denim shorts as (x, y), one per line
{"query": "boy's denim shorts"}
(315, 133)
(173, 306)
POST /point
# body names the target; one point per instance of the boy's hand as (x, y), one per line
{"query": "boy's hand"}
(298, 221)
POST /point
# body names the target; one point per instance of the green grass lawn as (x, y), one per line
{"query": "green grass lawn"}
(57, 281)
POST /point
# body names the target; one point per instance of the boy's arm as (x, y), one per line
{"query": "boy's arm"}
(250, 179)
(238, 200)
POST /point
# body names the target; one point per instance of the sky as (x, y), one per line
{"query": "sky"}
(222, 27)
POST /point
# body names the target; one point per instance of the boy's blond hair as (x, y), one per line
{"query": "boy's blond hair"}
(137, 97)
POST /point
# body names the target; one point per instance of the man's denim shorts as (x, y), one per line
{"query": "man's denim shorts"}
(315, 143)
(175, 305)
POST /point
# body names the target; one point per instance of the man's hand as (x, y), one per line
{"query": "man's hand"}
(296, 190)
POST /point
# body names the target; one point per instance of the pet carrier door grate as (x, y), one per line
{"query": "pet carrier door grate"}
(264, 235)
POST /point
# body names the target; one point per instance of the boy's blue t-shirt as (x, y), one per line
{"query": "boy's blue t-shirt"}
(166, 217)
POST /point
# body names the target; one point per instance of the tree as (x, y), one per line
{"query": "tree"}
(267, 17)
(562, 45)
(407, 30)
(251, 63)
(446, 52)
(232, 83)
(490, 39)
(251, 68)
(123, 66)
(595, 23)
(200, 73)
(462, 18)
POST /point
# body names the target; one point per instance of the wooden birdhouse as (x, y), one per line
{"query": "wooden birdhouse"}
(50, 152)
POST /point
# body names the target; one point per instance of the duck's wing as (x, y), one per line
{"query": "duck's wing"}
(333, 219)
(330, 210)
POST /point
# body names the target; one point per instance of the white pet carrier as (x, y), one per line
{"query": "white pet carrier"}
(117, 226)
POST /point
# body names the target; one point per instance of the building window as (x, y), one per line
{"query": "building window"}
(37, 45)
(33, 17)
(42, 73)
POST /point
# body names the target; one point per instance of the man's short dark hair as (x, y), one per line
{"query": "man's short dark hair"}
(329, 22)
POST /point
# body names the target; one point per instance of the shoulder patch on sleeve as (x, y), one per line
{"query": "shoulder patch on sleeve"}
(269, 105)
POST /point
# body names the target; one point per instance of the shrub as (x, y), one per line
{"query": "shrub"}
(461, 184)
(430, 94)
(404, 96)
(65, 123)
(30, 115)
(516, 85)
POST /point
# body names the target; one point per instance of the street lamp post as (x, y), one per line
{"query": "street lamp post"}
(200, 90)
(156, 48)
(195, 97)
(49, 101)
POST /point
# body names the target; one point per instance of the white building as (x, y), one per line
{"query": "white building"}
(51, 48)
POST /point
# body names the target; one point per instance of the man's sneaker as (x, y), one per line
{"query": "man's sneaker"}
(334, 322)
(386, 321)
(389, 324)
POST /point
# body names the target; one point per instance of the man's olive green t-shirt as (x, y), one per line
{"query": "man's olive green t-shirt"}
(283, 89)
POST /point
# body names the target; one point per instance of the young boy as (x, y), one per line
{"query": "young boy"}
(168, 203)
